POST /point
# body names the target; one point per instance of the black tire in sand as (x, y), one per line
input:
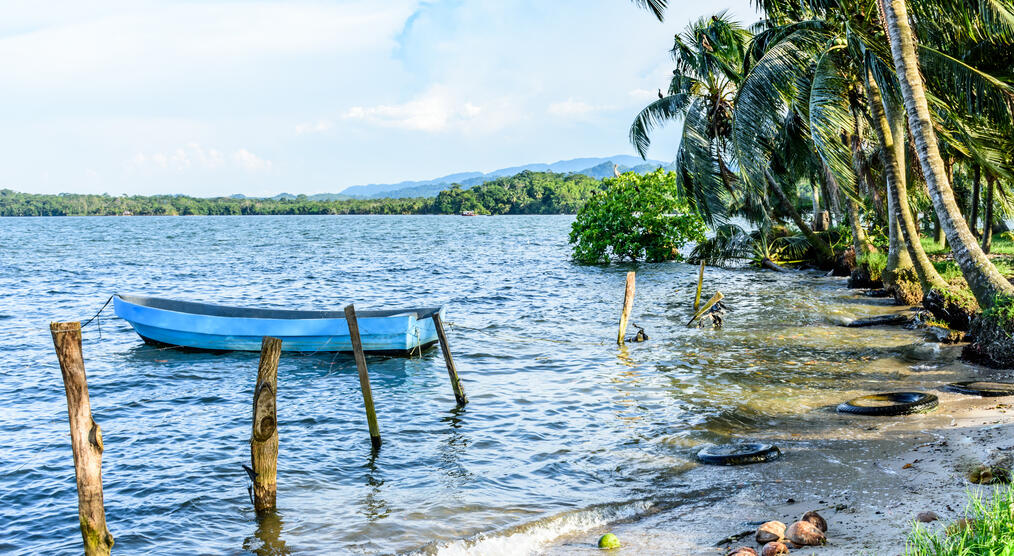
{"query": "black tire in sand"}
(890, 404)
(982, 388)
(739, 454)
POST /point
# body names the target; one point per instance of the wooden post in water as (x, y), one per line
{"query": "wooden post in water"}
(628, 304)
(459, 392)
(264, 440)
(700, 282)
(714, 299)
(364, 377)
(85, 439)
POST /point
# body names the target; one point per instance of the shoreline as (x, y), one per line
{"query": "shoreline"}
(920, 465)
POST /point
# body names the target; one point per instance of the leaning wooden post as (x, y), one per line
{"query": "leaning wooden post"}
(628, 304)
(459, 392)
(711, 302)
(364, 378)
(85, 439)
(264, 440)
(700, 283)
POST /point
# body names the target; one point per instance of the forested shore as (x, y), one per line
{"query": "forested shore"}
(523, 193)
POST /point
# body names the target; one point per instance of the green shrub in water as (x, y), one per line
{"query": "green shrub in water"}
(987, 529)
(637, 218)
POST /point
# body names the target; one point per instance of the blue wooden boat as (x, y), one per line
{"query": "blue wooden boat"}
(219, 328)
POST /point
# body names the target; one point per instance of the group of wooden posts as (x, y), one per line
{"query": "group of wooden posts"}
(86, 435)
(628, 303)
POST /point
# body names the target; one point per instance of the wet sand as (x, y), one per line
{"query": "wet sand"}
(869, 483)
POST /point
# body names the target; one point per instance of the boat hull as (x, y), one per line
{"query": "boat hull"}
(390, 332)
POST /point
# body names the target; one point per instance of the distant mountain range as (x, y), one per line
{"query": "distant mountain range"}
(595, 167)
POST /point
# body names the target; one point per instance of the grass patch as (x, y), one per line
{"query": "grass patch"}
(875, 263)
(950, 270)
(989, 530)
(1003, 244)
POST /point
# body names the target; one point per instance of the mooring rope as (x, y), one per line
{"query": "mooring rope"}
(98, 323)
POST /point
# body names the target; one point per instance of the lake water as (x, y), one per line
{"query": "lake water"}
(565, 433)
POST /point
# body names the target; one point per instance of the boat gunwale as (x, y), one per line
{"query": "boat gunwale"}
(226, 311)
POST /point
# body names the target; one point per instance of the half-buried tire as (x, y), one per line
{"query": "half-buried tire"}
(739, 454)
(982, 388)
(893, 403)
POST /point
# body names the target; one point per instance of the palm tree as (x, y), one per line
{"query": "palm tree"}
(708, 57)
(985, 281)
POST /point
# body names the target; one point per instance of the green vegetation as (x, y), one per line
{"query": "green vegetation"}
(988, 529)
(636, 218)
(524, 193)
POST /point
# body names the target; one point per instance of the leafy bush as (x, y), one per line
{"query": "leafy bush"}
(635, 218)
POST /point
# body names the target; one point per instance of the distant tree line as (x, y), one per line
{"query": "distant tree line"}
(524, 193)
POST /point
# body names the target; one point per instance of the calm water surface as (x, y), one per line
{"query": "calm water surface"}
(564, 433)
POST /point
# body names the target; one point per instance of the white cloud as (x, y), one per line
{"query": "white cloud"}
(438, 109)
(193, 156)
(320, 126)
(250, 162)
(574, 108)
(642, 95)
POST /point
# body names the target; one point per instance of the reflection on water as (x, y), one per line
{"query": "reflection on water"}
(267, 540)
(564, 429)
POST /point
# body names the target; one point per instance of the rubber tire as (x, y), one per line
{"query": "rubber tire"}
(968, 387)
(739, 454)
(905, 403)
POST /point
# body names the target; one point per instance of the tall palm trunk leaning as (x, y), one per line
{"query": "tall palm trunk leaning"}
(889, 125)
(823, 249)
(985, 281)
(987, 223)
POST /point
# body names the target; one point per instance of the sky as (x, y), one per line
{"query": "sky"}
(221, 97)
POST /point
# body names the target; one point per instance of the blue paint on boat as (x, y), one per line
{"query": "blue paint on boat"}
(220, 328)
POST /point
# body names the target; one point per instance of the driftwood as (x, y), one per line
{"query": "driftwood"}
(85, 439)
(264, 439)
(771, 265)
(628, 304)
(881, 320)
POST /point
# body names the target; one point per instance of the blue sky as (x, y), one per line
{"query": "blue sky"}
(220, 97)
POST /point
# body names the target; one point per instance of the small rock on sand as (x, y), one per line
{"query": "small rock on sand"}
(805, 533)
(927, 517)
(774, 549)
(771, 531)
(816, 520)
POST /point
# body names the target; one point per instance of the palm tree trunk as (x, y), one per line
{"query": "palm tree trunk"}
(823, 249)
(889, 124)
(987, 224)
(985, 281)
(860, 241)
(973, 220)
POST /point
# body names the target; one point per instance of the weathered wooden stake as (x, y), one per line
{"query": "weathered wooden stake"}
(364, 377)
(700, 283)
(264, 440)
(459, 392)
(85, 439)
(628, 304)
(714, 299)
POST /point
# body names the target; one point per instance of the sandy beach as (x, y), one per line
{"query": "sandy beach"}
(878, 476)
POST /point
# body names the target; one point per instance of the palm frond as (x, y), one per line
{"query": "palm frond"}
(656, 7)
(660, 112)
